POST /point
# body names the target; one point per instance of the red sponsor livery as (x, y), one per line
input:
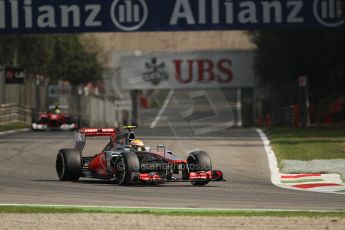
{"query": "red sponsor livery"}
(109, 132)
(207, 71)
(126, 160)
(98, 165)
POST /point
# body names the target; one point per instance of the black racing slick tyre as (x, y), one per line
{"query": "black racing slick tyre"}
(127, 168)
(199, 161)
(68, 165)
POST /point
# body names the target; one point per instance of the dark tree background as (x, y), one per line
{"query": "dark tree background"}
(57, 57)
(284, 56)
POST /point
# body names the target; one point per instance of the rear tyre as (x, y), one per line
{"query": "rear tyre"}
(68, 165)
(127, 168)
(199, 161)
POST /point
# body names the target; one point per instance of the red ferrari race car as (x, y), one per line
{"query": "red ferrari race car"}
(126, 160)
(55, 119)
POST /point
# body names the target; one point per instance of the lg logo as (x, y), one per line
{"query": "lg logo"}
(329, 13)
(129, 15)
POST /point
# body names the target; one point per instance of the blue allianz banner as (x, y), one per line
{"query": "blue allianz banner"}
(73, 16)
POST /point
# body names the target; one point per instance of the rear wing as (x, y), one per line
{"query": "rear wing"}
(50, 107)
(103, 132)
(81, 134)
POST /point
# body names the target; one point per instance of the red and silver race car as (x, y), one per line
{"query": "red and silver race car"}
(126, 160)
(55, 119)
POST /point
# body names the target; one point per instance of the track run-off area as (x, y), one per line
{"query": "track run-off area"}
(27, 168)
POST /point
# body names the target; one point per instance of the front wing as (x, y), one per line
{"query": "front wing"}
(36, 126)
(214, 175)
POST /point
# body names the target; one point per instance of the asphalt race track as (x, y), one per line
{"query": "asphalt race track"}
(27, 168)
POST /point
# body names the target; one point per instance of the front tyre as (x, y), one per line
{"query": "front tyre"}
(68, 165)
(127, 168)
(199, 183)
(199, 161)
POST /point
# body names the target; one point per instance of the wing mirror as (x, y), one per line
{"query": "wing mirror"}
(79, 141)
(161, 147)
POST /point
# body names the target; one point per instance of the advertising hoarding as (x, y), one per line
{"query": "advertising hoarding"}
(209, 69)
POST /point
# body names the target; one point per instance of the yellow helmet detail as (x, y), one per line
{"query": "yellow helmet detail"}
(137, 143)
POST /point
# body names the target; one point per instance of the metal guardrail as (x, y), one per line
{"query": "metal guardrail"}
(15, 113)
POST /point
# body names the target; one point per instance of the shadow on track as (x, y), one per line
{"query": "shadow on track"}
(106, 182)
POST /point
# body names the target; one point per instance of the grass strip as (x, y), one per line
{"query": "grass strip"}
(160, 211)
(308, 143)
(13, 126)
(301, 181)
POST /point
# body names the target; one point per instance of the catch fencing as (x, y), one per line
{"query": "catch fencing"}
(102, 112)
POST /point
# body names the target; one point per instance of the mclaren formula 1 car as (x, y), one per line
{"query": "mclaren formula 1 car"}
(125, 160)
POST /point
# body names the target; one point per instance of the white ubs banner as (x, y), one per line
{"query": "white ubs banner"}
(209, 69)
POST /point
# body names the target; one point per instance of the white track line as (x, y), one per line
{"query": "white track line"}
(160, 113)
(272, 160)
(13, 131)
(167, 208)
(275, 174)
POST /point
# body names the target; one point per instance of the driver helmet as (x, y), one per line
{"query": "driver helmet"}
(56, 108)
(138, 145)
